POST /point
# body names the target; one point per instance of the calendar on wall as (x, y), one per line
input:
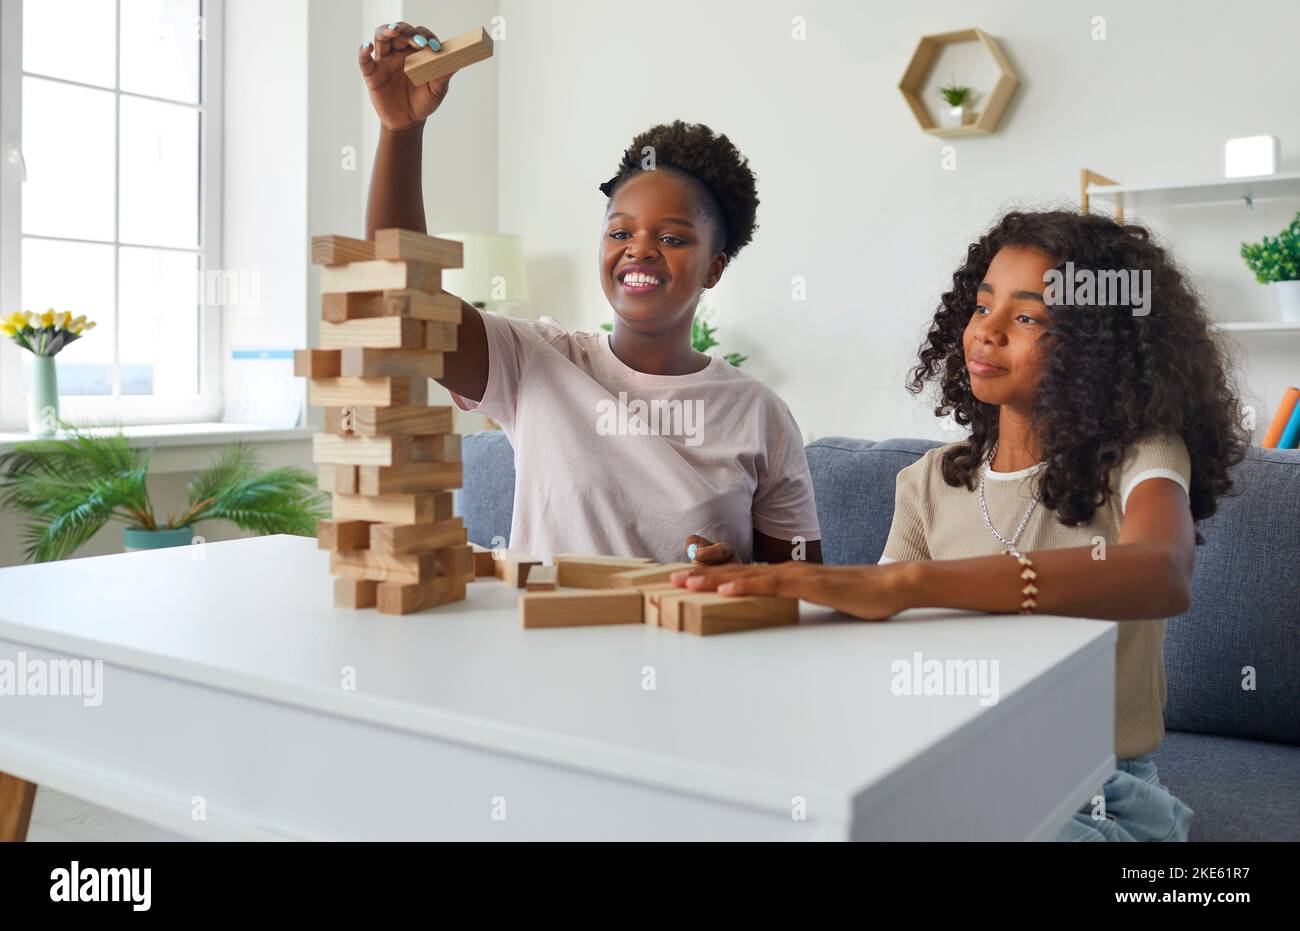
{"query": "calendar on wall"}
(263, 389)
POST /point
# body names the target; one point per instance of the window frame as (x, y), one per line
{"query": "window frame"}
(206, 405)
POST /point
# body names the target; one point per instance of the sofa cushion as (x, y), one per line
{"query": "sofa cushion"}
(1245, 611)
(1240, 790)
(486, 500)
(854, 484)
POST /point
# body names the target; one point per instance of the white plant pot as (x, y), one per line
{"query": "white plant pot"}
(956, 116)
(1288, 300)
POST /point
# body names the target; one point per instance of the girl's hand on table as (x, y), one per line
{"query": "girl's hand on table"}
(873, 593)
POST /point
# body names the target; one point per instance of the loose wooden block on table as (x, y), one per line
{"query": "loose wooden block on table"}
(456, 53)
(395, 539)
(513, 566)
(669, 606)
(380, 275)
(650, 596)
(420, 508)
(580, 609)
(339, 478)
(484, 564)
(541, 579)
(355, 593)
(413, 246)
(588, 571)
(393, 450)
(707, 613)
(366, 420)
(371, 362)
(317, 363)
(367, 392)
(376, 333)
(339, 250)
(651, 575)
(342, 534)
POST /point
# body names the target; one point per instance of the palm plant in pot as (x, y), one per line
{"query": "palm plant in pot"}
(70, 488)
(1276, 261)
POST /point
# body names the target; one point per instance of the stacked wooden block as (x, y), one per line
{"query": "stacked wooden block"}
(390, 460)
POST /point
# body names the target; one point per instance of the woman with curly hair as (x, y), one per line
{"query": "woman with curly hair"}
(1100, 434)
(624, 443)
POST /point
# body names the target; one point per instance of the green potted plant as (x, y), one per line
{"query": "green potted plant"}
(959, 100)
(702, 334)
(44, 336)
(71, 487)
(1276, 261)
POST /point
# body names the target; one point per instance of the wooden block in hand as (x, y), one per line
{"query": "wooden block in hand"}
(579, 609)
(339, 250)
(375, 333)
(339, 478)
(369, 362)
(652, 575)
(456, 53)
(412, 246)
(399, 598)
(513, 566)
(380, 275)
(354, 593)
(342, 534)
(362, 420)
(317, 363)
(395, 539)
(438, 307)
(541, 579)
(707, 613)
(421, 508)
(585, 571)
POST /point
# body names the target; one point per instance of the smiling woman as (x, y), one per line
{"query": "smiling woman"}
(726, 483)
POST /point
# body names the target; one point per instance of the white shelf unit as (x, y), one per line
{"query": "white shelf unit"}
(1216, 191)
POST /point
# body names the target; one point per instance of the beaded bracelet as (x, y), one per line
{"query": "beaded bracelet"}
(1028, 603)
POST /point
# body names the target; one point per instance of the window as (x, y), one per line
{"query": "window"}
(109, 193)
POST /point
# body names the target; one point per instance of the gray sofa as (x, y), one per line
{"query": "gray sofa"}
(1233, 754)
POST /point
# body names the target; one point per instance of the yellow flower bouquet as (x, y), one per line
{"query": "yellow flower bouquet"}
(44, 334)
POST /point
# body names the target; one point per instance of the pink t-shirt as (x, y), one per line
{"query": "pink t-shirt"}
(612, 460)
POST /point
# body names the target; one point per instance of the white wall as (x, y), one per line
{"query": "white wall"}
(853, 195)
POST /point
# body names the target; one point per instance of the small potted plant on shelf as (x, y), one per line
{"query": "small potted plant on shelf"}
(959, 100)
(44, 336)
(70, 488)
(1276, 261)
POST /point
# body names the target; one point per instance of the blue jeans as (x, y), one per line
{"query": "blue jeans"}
(1138, 808)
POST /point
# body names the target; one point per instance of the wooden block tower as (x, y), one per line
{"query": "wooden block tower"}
(390, 460)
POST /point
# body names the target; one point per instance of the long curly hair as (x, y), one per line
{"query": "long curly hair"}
(695, 150)
(1109, 377)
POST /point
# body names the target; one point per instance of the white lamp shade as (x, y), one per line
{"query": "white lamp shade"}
(1250, 156)
(493, 272)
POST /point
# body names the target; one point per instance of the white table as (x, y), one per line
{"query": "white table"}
(225, 692)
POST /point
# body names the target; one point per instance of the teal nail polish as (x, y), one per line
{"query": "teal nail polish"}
(691, 551)
(419, 40)
(435, 45)
(392, 25)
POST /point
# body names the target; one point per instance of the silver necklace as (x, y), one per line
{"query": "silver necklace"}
(984, 507)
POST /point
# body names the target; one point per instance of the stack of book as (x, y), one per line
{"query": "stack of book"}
(1284, 429)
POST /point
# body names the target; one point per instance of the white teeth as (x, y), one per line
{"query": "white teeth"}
(637, 280)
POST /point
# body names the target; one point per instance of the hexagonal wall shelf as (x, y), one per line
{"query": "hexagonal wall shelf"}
(918, 72)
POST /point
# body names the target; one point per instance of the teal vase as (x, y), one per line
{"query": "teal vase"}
(43, 401)
(137, 538)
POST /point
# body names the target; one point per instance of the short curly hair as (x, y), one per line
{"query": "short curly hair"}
(1109, 377)
(695, 150)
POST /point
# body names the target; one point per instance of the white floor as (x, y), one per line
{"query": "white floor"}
(59, 817)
